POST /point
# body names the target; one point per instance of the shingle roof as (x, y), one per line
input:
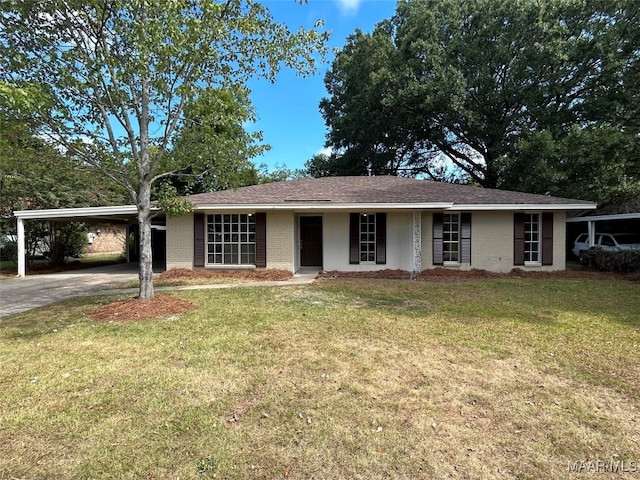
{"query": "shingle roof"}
(373, 190)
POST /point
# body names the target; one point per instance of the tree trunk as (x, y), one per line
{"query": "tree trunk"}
(491, 173)
(145, 273)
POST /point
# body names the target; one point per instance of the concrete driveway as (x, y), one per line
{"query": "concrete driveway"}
(21, 294)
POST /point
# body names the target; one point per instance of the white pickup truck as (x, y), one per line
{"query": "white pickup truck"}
(611, 242)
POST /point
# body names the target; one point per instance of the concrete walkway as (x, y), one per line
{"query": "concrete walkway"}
(22, 294)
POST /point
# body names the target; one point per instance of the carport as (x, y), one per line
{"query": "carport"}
(125, 214)
(617, 223)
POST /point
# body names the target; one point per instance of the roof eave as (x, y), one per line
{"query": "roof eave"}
(524, 206)
(324, 206)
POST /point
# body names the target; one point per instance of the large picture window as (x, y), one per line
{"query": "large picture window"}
(231, 239)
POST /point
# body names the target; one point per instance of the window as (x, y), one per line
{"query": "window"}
(607, 241)
(532, 238)
(231, 239)
(367, 238)
(451, 237)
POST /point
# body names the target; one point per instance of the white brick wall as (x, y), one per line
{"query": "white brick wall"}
(280, 241)
(180, 242)
(336, 243)
(491, 242)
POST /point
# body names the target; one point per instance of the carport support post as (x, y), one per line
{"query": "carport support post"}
(592, 233)
(22, 259)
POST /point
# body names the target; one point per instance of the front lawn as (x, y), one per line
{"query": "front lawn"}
(344, 378)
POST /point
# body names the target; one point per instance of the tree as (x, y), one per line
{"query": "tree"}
(36, 175)
(467, 80)
(596, 163)
(366, 131)
(213, 139)
(280, 173)
(323, 165)
(119, 75)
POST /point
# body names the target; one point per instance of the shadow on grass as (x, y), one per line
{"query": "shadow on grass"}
(42, 321)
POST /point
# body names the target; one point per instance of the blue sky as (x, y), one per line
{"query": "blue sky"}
(287, 110)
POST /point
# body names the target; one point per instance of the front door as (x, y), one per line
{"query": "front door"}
(311, 241)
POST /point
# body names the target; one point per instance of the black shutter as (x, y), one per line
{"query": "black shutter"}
(381, 238)
(261, 240)
(547, 238)
(198, 240)
(354, 238)
(465, 238)
(438, 256)
(518, 238)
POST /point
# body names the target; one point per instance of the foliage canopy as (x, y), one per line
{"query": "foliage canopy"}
(476, 83)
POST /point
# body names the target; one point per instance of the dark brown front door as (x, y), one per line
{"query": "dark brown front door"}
(311, 241)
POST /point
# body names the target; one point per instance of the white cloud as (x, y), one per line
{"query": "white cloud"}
(349, 6)
(325, 151)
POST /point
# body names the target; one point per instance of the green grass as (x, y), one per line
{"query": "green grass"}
(339, 379)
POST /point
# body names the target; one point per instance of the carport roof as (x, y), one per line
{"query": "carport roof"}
(121, 212)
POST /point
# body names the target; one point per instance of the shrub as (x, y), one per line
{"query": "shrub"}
(624, 262)
(67, 240)
(9, 252)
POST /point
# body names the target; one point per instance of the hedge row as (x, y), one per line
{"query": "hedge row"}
(624, 262)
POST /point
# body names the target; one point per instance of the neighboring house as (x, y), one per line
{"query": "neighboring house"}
(106, 238)
(370, 223)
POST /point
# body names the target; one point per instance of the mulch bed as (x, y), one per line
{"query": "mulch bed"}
(455, 275)
(136, 309)
(184, 274)
(388, 273)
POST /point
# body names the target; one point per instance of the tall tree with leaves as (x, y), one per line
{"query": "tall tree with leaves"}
(120, 74)
(467, 80)
(213, 133)
(33, 174)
